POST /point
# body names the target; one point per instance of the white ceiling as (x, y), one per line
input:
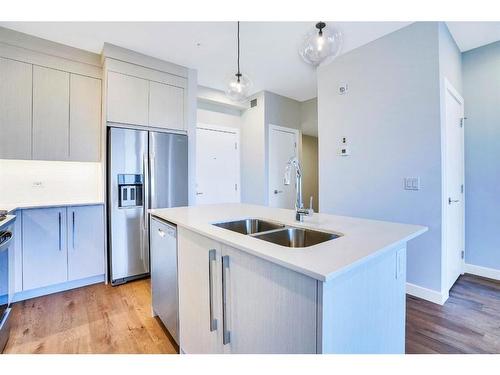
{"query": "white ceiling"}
(268, 49)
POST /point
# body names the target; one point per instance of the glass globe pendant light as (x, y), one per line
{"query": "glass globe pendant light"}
(239, 84)
(321, 44)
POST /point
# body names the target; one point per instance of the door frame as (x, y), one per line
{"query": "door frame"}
(225, 129)
(298, 142)
(449, 89)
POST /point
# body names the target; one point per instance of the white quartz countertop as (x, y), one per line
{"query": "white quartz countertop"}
(12, 206)
(361, 239)
(6, 221)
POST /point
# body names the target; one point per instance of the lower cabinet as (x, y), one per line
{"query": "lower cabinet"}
(85, 242)
(45, 257)
(61, 244)
(233, 302)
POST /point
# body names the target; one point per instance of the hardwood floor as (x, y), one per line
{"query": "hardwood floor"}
(105, 319)
(94, 319)
(469, 322)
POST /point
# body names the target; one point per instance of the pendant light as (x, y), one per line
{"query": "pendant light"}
(321, 44)
(239, 84)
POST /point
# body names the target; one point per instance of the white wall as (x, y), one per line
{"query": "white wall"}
(481, 69)
(61, 182)
(211, 117)
(391, 118)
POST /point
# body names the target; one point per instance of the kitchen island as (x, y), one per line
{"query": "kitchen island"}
(253, 293)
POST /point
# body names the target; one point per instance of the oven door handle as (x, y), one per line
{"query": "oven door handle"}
(5, 245)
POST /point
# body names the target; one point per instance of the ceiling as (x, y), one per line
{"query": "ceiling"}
(268, 49)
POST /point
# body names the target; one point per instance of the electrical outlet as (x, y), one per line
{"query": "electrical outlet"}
(412, 183)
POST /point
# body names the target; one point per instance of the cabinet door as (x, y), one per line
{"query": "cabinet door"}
(127, 100)
(269, 309)
(199, 294)
(85, 118)
(166, 106)
(15, 109)
(85, 242)
(44, 247)
(50, 114)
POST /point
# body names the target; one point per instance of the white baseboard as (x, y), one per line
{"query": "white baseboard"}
(490, 273)
(27, 294)
(427, 294)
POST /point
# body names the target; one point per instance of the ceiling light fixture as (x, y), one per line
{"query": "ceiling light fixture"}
(239, 85)
(321, 44)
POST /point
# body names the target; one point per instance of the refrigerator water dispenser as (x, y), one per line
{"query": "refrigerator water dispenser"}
(130, 190)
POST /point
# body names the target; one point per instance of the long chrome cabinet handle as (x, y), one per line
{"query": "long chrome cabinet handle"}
(226, 335)
(60, 240)
(211, 261)
(73, 229)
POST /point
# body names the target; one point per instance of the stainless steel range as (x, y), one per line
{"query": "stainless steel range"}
(6, 259)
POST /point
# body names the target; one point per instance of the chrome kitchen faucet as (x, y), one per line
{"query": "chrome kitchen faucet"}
(300, 211)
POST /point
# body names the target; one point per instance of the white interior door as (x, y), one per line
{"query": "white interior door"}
(217, 165)
(454, 175)
(282, 146)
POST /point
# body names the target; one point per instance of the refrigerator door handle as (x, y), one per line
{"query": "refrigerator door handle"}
(145, 203)
(152, 179)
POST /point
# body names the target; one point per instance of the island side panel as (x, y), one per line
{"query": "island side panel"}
(364, 309)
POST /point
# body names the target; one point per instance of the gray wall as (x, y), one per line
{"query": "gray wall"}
(253, 154)
(310, 170)
(309, 117)
(391, 118)
(481, 72)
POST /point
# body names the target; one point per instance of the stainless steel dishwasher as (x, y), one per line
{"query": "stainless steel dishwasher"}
(164, 288)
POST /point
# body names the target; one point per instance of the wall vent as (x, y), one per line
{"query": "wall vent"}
(253, 103)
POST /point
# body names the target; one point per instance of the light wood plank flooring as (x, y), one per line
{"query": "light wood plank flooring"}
(93, 319)
(105, 319)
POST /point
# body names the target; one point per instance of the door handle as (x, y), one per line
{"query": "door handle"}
(450, 201)
(145, 193)
(226, 335)
(278, 191)
(199, 193)
(211, 260)
(60, 230)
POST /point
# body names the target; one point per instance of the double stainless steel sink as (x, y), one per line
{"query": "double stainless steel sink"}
(278, 233)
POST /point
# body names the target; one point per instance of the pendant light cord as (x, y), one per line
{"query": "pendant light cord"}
(239, 74)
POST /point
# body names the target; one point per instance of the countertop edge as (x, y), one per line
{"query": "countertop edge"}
(304, 271)
(11, 207)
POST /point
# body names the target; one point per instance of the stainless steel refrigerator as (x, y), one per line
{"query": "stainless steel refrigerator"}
(146, 170)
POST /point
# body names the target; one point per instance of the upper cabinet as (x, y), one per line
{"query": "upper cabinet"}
(145, 97)
(128, 99)
(50, 114)
(15, 109)
(84, 118)
(166, 106)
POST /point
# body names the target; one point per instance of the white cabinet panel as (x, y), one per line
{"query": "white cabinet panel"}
(85, 242)
(196, 296)
(166, 106)
(85, 118)
(127, 99)
(44, 247)
(270, 309)
(50, 114)
(15, 109)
